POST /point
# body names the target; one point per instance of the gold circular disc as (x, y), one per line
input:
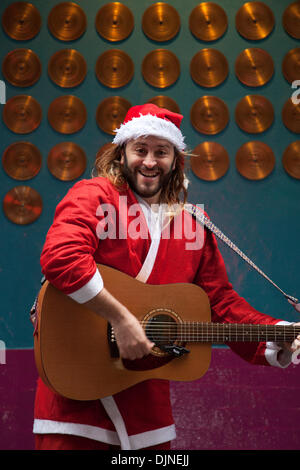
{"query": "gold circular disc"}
(254, 20)
(255, 160)
(111, 113)
(22, 114)
(209, 68)
(161, 22)
(291, 20)
(209, 115)
(254, 67)
(291, 65)
(210, 161)
(67, 21)
(291, 116)
(161, 68)
(165, 102)
(114, 68)
(291, 159)
(254, 114)
(22, 205)
(114, 21)
(21, 21)
(22, 160)
(67, 68)
(208, 21)
(67, 114)
(22, 67)
(66, 161)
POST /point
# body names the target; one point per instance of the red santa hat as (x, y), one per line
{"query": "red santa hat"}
(149, 119)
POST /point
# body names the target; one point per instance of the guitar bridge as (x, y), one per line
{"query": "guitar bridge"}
(112, 343)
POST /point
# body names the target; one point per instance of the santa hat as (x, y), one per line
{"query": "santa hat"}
(149, 119)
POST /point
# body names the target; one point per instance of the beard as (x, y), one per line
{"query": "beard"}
(145, 190)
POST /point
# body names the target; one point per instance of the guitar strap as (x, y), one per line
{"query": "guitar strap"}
(200, 217)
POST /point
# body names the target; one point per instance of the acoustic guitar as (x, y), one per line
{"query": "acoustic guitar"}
(77, 356)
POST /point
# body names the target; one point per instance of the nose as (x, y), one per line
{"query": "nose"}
(149, 160)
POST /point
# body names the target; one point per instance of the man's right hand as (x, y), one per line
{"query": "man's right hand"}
(131, 338)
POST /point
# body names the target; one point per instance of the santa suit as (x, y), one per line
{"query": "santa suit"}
(140, 416)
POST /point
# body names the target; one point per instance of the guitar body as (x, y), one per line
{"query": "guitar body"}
(72, 348)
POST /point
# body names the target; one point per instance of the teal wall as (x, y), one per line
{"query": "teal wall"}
(262, 217)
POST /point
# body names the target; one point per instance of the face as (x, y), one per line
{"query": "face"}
(148, 163)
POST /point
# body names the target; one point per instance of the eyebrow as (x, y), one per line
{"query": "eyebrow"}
(141, 142)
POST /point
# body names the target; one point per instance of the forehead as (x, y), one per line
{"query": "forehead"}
(151, 141)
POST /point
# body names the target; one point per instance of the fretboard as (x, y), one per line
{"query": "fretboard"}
(227, 332)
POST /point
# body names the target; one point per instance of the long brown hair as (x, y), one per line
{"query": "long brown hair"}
(108, 165)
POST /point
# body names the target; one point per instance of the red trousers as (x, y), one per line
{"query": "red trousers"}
(69, 442)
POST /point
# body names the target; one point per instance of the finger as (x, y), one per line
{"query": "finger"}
(295, 344)
(146, 348)
(138, 351)
(150, 345)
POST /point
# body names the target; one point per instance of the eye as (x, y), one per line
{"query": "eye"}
(161, 153)
(140, 150)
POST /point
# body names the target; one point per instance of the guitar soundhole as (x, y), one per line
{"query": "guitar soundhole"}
(162, 330)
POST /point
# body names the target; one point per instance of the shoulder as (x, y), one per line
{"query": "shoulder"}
(97, 183)
(87, 193)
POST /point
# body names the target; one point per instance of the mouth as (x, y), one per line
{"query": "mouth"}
(149, 174)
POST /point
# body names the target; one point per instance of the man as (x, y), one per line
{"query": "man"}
(144, 171)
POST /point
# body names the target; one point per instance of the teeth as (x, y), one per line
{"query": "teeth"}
(150, 175)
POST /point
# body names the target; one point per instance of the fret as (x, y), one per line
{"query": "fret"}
(226, 330)
(207, 332)
(221, 333)
(261, 335)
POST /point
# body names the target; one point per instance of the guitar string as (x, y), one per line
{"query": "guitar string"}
(216, 329)
(221, 330)
(223, 337)
(229, 326)
(217, 325)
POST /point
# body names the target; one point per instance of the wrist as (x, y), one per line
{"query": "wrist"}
(108, 307)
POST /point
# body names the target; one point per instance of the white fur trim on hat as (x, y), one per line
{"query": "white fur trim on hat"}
(148, 124)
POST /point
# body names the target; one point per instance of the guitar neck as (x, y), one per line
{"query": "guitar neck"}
(235, 332)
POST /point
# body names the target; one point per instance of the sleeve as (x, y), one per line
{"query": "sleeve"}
(67, 259)
(228, 307)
